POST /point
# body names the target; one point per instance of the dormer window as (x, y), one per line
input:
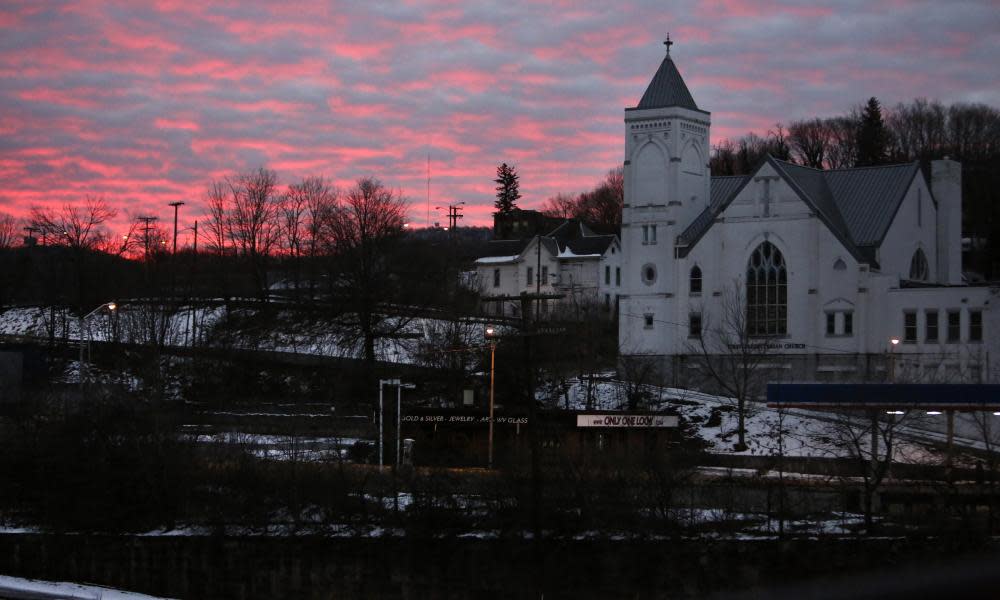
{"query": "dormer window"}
(918, 266)
(695, 285)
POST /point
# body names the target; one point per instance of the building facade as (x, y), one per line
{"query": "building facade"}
(579, 269)
(820, 270)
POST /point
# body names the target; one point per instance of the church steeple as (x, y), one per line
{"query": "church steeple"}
(667, 87)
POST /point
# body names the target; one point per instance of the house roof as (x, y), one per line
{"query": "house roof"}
(572, 238)
(857, 205)
(667, 88)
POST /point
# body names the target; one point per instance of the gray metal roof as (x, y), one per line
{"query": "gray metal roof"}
(869, 198)
(667, 89)
(723, 190)
(504, 248)
(858, 205)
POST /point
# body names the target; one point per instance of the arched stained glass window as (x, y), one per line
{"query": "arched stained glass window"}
(767, 292)
(918, 266)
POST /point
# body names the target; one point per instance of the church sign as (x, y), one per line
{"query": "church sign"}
(627, 421)
(766, 346)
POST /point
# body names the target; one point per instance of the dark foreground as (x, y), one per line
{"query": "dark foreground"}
(314, 567)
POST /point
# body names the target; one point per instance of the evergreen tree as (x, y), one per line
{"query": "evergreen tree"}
(872, 136)
(507, 189)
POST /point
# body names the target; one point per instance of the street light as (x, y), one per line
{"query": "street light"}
(892, 359)
(84, 327)
(491, 336)
(399, 412)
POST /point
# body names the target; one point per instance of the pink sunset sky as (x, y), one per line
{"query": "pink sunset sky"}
(144, 103)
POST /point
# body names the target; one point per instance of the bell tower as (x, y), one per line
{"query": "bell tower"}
(667, 185)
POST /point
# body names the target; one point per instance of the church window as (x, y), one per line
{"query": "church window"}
(839, 265)
(910, 327)
(831, 323)
(920, 208)
(931, 327)
(645, 234)
(695, 280)
(954, 326)
(848, 323)
(767, 292)
(648, 274)
(496, 277)
(652, 234)
(648, 319)
(918, 266)
(975, 325)
(694, 325)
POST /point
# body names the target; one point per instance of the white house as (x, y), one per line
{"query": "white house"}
(826, 266)
(572, 261)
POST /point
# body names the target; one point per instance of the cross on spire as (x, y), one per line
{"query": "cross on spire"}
(668, 43)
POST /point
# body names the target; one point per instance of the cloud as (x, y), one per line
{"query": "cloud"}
(146, 103)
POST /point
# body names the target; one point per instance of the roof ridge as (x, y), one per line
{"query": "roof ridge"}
(869, 167)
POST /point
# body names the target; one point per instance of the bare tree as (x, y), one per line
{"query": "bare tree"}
(729, 358)
(79, 227)
(359, 236)
(9, 233)
(810, 141)
(252, 219)
(217, 217)
(303, 210)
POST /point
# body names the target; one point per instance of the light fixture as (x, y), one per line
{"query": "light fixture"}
(933, 412)
(895, 341)
(894, 412)
(112, 306)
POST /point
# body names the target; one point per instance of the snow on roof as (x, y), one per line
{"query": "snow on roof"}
(567, 253)
(490, 260)
(20, 587)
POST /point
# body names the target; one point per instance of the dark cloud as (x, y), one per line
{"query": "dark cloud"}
(146, 103)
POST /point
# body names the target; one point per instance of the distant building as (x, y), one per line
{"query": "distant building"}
(827, 266)
(570, 260)
(521, 223)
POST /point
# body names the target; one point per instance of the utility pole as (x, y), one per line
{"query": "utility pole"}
(454, 214)
(176, 205)
(30, 240)
(145, 229)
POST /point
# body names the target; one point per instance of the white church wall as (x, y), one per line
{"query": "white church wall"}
(914, 227)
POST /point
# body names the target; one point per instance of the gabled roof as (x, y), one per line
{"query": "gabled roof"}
(504, 248)
(857, 205)
(667, 88)
(571, 238)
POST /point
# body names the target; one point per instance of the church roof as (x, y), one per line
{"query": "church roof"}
(667, 88)
(857, 205)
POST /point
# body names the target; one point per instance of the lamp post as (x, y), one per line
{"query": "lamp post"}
(381, 384)
(491, 336)
(84, 327)
(399, 412)
(892, 359)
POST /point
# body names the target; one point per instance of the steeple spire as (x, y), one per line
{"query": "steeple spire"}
(667, 87)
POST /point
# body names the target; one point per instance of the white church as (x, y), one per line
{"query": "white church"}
(843, 275)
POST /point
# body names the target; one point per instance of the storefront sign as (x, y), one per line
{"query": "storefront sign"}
(632, 421)
(463, 419)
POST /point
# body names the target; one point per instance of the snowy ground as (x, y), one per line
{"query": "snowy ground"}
(284, 447)
(804, 433)
(18, 587)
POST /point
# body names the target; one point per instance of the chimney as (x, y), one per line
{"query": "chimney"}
(946, 185)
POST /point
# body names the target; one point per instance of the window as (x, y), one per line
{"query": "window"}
(649, 320)
(910, 327)
(530, 279)
(918, 266)
(607, 275)
(848, 323)
(618, 275)
(652, 234)
(831, 323)
(920, 207)
(975, 325)
(545, 274)
(694, 325)
(954, 326)
(695, 280)
(931, 327)
(767, 292)
(648, 274)
(645, 234)
(496, 277)
(839, 265)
